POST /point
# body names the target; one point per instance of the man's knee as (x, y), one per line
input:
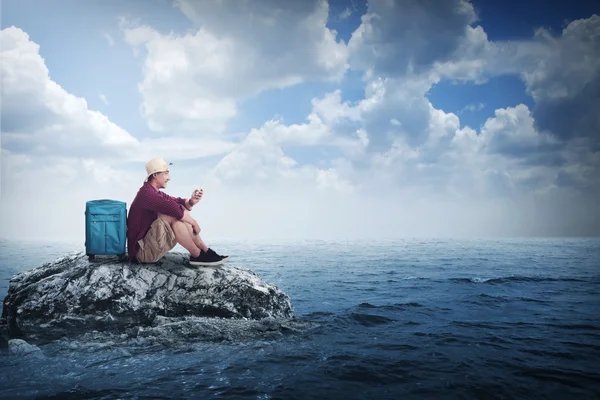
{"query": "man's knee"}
(181, 226)
(172, 220)
(167, 218)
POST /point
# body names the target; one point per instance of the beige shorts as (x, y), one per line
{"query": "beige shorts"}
(157, 242)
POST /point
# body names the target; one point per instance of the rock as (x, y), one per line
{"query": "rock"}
(19, 347)
(72, 295)
(3, 336)
(220, 329)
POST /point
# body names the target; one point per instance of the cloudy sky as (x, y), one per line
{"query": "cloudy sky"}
(306, 119)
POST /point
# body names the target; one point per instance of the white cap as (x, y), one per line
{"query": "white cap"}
(156, 165)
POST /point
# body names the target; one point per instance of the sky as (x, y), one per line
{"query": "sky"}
(339, 120)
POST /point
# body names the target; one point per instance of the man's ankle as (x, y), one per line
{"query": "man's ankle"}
(196, 253)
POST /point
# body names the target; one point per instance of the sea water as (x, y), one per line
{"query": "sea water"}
(493, 319)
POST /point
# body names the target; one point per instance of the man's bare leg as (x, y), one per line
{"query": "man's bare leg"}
(182, 234)
(196, 238)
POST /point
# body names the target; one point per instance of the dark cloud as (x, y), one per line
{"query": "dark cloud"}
(529, 153)
(552, 157)
(409, 34)
(567, 179)
(565, 82)
(576, 116)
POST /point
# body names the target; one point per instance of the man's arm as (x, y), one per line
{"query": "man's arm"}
(180, 200)
(161, 203)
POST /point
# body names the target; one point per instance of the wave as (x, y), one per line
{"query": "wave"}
(369, 319)
(510, 325)
(488, 280)
(393, 307)
(486, 299)
(367, 314)
(508, 279)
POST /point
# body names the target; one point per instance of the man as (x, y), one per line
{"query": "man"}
(157, 222)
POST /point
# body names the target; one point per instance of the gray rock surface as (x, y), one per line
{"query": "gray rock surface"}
(72, 296)
(19, 347)
(3, 336)
(220, 329)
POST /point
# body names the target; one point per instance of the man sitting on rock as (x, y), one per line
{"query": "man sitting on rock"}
(157, 222)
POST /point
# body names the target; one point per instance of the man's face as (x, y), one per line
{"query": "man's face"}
(162, 178)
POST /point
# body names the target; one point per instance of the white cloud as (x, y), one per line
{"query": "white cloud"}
(38, 112)
(330, 108)
(260, 161)
(39, 117)
(346, 13)
(195, 80)
(396, 108)
(260, 157)
(512, 132)
(103, 98)
(570, 62)
(255, 157)
(472, 107)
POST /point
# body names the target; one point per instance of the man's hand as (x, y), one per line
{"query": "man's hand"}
(196, 196)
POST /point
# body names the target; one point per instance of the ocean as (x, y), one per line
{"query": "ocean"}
(407, 319)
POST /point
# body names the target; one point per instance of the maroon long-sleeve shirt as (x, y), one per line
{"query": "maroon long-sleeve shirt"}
(144, 210)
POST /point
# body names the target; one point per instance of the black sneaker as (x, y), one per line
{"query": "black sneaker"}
(212, 253)
(205, 259)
